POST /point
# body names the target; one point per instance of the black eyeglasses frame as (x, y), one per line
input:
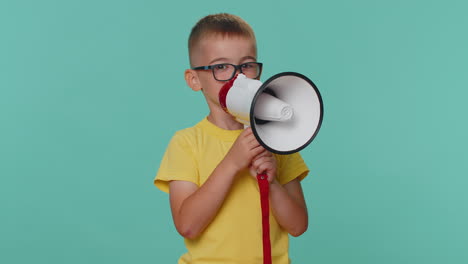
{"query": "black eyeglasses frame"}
(237, 68)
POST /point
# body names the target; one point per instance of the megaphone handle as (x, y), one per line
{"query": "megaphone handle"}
(264, 201)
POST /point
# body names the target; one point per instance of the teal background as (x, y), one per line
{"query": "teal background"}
(92, 91)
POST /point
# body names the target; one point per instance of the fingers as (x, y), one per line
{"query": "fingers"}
(264, 153)
(246, 150)
(258, 162)
(264, 167)
(256, 150)
(247, 132)
(251, 141)
(263, 161)
(267, 167)
(249, 136)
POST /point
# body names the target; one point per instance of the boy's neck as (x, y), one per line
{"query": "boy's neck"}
(224, 121)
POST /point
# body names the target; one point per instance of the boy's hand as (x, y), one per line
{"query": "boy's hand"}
(244, 150)
(265, 162)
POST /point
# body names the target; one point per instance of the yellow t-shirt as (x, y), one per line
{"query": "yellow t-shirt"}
(235, 234)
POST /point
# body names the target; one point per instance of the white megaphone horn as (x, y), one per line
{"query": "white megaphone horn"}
(285, 112)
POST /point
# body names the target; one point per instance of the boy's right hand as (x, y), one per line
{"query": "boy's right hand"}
(244, 149)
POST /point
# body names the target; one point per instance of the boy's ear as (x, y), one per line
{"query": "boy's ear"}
(191, 77)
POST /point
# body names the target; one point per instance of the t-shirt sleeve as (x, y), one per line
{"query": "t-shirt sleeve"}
(178, 163)
(290, 167)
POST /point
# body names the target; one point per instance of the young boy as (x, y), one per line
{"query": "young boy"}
(210, 169)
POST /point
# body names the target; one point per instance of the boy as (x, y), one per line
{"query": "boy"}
(210, 169)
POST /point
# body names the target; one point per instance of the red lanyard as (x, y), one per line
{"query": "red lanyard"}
(264, 201)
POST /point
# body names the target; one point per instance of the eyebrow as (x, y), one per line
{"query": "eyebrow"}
(225, 59)
(217, 60)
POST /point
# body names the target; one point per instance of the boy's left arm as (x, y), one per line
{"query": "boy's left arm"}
(289, 207)
(287, 201)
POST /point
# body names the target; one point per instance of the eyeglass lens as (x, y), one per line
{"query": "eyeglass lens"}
(225, 72)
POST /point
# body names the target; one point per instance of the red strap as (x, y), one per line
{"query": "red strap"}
(264, 190)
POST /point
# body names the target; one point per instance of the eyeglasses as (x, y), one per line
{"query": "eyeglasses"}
(226, 71)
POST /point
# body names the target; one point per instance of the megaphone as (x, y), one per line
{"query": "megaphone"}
(285, 112)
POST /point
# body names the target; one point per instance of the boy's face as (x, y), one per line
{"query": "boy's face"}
(216, 49)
